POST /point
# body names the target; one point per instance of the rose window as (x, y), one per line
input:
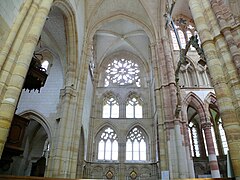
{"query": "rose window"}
(122, 72)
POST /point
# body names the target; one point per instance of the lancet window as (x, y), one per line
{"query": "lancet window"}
(194, 139)
(134, 107)
(136, 147)
(108, 145)
(185, 31)
(110, 107)
(220, 140)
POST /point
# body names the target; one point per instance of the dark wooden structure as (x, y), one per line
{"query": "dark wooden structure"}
(13, 146)
(36, 76)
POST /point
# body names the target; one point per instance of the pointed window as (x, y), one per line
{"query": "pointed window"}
(136, 148)
(194, 139)
(133, 107)
(174, 41)
(110, 107)
(108, 145)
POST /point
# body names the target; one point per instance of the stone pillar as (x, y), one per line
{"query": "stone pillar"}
(162, 148)
(12, 90)
(181, 149)
(14, 31)
(63, 147)
(223, 93)
(228, 52)
(225, 28)
(65, 153)
(188, 152)
(211, 150)
(121, 157)
(13, 45)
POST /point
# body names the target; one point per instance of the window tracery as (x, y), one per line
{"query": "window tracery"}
(122, 72)
(133, 107)
(136, 148)
(185, 29)
(108, 145)
(110, 107)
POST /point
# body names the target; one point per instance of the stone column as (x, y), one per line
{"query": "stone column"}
(223, 93)
(162, 148)
(121, 157)
(63, 147)
(12, 91)
(14, 31)
(225, 28)
(211, 150)
(228, 52)
(14, 44)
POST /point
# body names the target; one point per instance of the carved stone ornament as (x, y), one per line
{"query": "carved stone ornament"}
(109, 174)
(133, 174)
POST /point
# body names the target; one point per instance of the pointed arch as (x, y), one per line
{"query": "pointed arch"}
(72, 40)
(122, 15)
(110, 105)
(134, 105)
(105, 125)
(137, 148)
(34, 115)
(140, 65)
(137, 124)
(107, 144)
(195, 102)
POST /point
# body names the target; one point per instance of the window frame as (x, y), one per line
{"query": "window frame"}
(145, 138)
(98, 139)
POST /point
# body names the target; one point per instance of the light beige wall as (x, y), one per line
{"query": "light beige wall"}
(8, 12)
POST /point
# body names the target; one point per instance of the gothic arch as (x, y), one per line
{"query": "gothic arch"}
(72, 41)
(134, 94)
(140, 126)
(137, 135)
(110, 93)
(194, 101)
(143, 65)
(124, 54)
(122, 15)
(34, 115)
(103, 126)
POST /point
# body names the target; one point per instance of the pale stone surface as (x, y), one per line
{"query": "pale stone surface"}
(66, 116)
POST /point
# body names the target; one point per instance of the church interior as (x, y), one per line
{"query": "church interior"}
(120, 89)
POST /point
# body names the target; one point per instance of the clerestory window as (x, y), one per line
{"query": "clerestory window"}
(110, 107)
(122, 72)
(108, 145)
(133, 107)
(136, 147)
(185, 31)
